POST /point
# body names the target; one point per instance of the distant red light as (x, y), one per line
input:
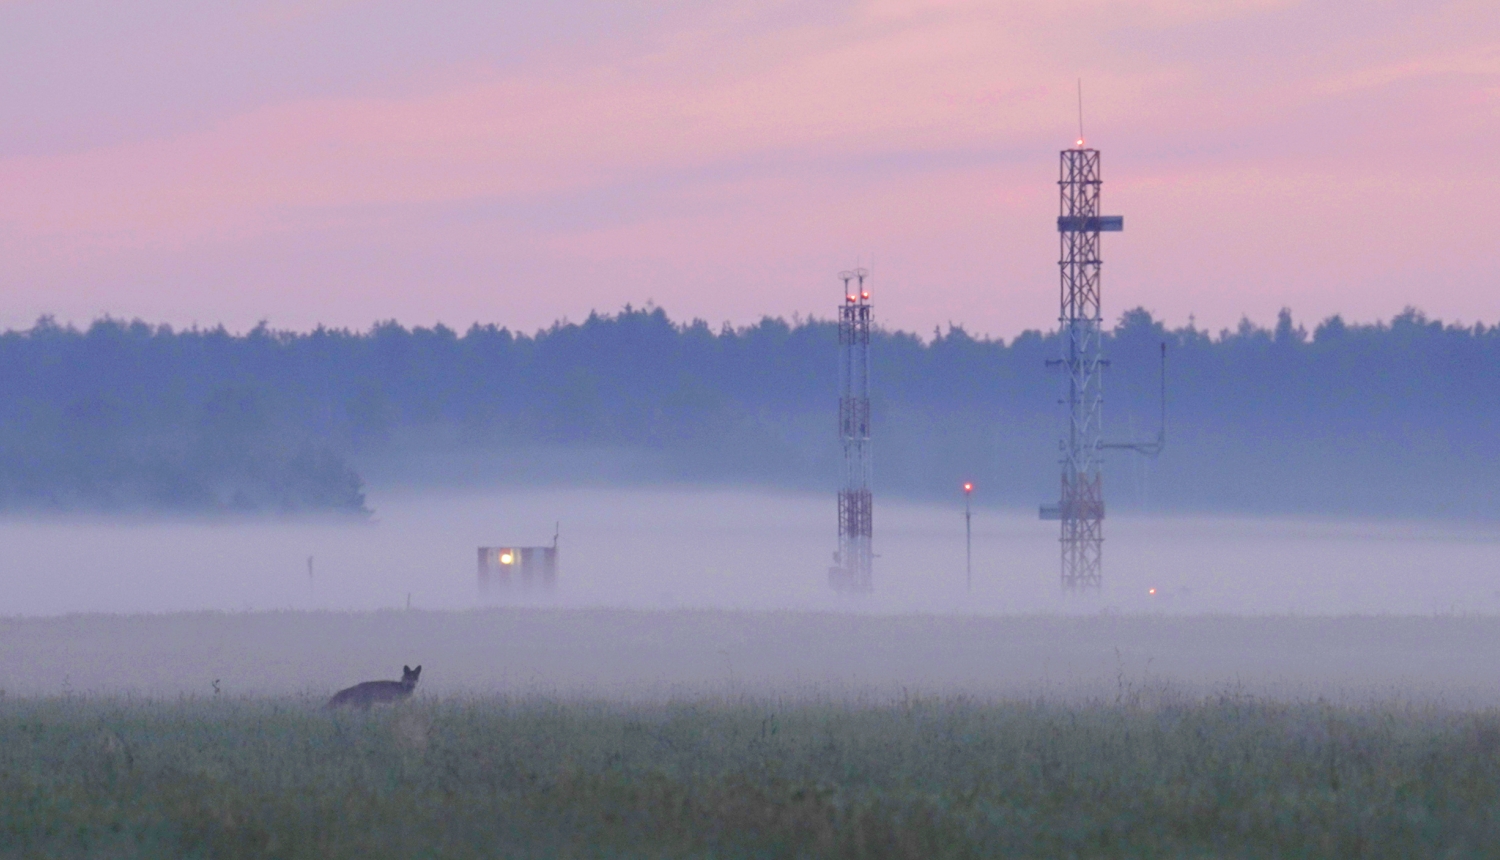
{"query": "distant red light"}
(849, 298)
(865, 294)
(968, 488)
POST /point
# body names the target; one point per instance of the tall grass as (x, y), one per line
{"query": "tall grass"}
(929, 778)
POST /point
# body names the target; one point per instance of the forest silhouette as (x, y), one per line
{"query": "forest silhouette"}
(1391, 418)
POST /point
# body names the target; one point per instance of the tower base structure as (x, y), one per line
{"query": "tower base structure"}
(1082, 537)
(853, 563)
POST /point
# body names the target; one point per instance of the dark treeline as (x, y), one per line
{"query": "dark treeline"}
(1392, 418)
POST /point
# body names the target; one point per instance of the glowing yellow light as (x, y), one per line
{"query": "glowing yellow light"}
(1152, 591)
(506, 558)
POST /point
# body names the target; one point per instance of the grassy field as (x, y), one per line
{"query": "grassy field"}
(1135, 775)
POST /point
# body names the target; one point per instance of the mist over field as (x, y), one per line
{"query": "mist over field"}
(737, 549)
(313, 503)
(672, 592)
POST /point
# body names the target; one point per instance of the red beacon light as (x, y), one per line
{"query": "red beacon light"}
(865, 295)
(849, 298)
(968, 488)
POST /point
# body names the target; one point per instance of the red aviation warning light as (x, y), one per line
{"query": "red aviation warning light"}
(968, 488)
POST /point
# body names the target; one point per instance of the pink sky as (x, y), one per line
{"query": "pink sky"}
(343, 161)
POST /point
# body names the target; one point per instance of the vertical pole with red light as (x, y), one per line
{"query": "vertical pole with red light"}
(968, 540)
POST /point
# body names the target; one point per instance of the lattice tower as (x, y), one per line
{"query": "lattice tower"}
(852, 563)
(1081, 501)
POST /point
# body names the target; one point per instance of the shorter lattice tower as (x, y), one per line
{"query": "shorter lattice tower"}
(851, 571)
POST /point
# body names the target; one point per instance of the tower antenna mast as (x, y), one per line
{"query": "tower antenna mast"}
(1080, 111)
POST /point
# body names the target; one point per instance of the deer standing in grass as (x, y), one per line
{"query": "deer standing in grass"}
(369, 693)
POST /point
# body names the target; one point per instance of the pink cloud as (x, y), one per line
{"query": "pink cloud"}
(727, 161)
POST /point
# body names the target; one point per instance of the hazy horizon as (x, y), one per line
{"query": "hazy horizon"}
(717, 548)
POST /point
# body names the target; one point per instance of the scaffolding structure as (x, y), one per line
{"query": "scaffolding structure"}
(852, 563)
(1080, 506)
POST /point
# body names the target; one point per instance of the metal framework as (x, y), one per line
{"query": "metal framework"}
(1080, 506)
(851, 571)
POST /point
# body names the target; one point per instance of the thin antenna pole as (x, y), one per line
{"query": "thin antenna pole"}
(968, 542)
(1080, 111)
(1163, 424)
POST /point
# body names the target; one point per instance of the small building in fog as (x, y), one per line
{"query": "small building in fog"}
(527, 567)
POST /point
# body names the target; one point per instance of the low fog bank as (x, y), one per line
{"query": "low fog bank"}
(738, 549)
(636, 655)
(682, 592)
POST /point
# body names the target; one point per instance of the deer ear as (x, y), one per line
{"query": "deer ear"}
(417, 671)
(406, 669)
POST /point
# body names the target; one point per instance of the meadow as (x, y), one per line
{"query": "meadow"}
(1145, 773)
(556, 732)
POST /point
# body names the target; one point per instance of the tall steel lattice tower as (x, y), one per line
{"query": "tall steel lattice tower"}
(1080, 504)
(851, 571)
